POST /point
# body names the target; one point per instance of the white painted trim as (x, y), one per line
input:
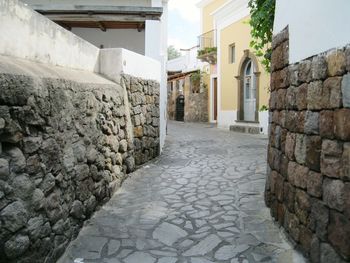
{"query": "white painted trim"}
(202, 3)
(227, 118)
(233, 12)
(211, 102)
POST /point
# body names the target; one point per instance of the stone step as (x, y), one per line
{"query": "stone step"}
(245, 129)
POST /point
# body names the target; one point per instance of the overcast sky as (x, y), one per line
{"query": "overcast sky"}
(183, 23)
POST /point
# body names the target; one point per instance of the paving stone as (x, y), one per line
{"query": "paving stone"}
(168, 233)
(190, 202)
(138, 257)
(204, 246)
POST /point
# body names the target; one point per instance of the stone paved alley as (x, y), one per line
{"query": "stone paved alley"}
(200, 202)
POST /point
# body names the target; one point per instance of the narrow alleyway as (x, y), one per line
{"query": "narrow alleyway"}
(201, 201)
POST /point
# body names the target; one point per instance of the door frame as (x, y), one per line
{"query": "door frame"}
(240, 82)
(211, 102)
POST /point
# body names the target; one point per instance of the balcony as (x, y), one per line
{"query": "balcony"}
(207, 51)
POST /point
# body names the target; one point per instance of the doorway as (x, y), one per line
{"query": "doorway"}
(215, 99)
(249, 92)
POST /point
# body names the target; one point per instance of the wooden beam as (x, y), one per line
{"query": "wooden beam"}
(101, 26)
(99, 17)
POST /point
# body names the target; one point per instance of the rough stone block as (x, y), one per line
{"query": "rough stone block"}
(336, 62)
(280, 38)
(4, 169)
(305, 239)
(311, 122)
(347, 55)
(273, 179)
(293, 226)
(339, 233)
(315, 250)
(345, 89)
(289, 196)
(279, 187)
(304, 71)
(313, 152)
(301, 176)
(283, 139)
(295, 121)
(314, 184)
(331, 158)
(281, 99)
(345, 173)
(319, 68)
(301, 97)
(273, 100)
(280, 56)
(292, 167)
(16, 246)
(279, 79)
(332, 86)
(284, 166)
(300, 149)
(294, 75)
(317, 96)
(302, 206)
(342, 124)
(327, 124)
(291, 103)
(319, 218)
(334, 194)
(328, 254)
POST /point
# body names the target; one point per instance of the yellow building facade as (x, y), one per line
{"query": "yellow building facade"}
(238, 84)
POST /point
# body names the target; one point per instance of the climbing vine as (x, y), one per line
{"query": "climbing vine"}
(262, 14)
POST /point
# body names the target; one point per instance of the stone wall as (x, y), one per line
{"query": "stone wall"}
(308, 184)
(144, 111)
(196, 107)
(65, 147)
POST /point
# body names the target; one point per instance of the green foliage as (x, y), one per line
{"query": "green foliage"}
(197, 81)
(206, 50)
(263, 108)
(262, 14)
(196, 77)
(173, 53)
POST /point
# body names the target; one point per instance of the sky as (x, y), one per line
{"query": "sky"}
(183, 27)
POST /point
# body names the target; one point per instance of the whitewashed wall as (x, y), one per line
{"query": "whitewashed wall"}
(122, 38)
(187, 62)
(315, 26)
(71, 3)
(29, 35)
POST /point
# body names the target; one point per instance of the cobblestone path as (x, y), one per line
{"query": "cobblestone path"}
(200, 202)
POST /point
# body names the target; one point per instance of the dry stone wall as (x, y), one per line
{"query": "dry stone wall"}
(196, 107)
(65, 147)
(144, 111)
(308, 183)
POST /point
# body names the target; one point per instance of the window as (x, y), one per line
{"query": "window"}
(232, 53)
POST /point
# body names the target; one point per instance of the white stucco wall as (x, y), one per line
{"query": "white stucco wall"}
(114, 38)
(116, 61)
(70, 3)
(29, 35)
(187, 62)
(315, 26)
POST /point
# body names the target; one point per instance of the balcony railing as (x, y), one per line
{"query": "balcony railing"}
(207, 47)
(207, 40)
